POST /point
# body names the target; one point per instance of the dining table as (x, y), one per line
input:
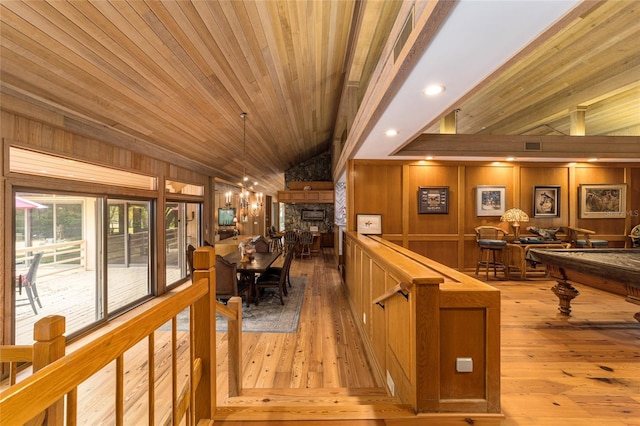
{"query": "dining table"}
(248, 270)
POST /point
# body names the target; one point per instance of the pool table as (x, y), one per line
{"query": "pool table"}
(613, 270)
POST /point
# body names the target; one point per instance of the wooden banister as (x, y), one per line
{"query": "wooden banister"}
(416, 343)
(24, 400)
(49, 346)
(401, 288)
(224, 310)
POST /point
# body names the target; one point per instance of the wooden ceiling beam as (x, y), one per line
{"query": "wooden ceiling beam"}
(516, 145)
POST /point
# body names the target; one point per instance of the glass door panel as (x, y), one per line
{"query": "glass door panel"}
(182, 227)
(56, 258)
(128, 248)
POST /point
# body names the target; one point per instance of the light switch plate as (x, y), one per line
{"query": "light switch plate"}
(464, 365)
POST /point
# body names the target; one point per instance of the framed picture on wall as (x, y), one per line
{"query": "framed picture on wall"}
(490, 200)
(546, 201)
(433, 199)
(369, 223)
(603, 201)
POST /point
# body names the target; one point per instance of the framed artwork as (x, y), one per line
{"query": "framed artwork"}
(546, 201)
(603, 201)
(490, 200)
(369, 223)
(433, 199)
(312, 215)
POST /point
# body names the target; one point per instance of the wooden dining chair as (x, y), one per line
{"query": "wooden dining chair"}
(261, 244)
(276, 280)
(227, 283)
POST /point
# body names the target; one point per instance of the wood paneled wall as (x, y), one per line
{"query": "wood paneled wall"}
(416, 340)
(390, 188)
(49, 136)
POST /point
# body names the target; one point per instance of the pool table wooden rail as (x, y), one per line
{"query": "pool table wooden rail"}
(616, 271)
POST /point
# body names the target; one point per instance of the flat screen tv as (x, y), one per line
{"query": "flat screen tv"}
(225, 216)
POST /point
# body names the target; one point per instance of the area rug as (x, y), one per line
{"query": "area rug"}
(269, 316)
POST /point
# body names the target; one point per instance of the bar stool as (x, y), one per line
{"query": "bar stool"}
(490, 241)
(275, 240)
(290, 241)
(306, 239)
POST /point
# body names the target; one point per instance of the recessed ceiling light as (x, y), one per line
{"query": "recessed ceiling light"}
(510, 158)
(391, 132)
(433, 89)
(591, 160)
(428, 157)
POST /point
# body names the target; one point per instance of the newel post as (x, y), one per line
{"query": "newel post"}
(50, 345)
(204, 260)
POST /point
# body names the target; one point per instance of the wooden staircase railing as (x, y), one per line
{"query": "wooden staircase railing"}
(49, 346)
(233, 312)
(24, 400)
(401, 288)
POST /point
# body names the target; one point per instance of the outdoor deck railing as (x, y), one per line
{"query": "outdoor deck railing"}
(65, 256)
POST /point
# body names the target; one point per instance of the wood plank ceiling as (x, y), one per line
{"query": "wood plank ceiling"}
(173, 77)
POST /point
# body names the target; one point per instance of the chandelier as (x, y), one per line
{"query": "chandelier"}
(246, 206)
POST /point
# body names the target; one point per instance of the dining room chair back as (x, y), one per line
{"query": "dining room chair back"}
(261, 244)
(227, 283)
(276, 280)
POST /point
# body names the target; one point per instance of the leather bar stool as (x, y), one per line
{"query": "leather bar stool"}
(492, 250)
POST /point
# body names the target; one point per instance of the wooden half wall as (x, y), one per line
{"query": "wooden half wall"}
(417, 336)
(390, 188)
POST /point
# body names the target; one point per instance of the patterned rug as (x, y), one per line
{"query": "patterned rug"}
(270, 316)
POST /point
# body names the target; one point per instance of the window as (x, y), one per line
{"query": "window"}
(64, 234)
(182, 227)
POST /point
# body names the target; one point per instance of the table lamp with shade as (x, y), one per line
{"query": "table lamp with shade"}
(514, 216)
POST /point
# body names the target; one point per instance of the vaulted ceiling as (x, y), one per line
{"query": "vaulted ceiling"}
(172, 78)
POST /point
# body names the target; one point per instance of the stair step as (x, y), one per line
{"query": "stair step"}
(274, 396)
(313, 411)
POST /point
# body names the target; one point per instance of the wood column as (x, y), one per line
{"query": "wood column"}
(449, 123)
(204, 259)
(50, 345)
(577, 125)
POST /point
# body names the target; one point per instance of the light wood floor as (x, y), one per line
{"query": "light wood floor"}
(583, 370)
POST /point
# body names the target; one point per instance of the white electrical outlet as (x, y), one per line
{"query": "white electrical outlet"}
(364, 318)
(464, 365)
(390, 384)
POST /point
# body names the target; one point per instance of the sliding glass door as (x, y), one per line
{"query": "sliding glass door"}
(128, 252)
(60, 266)
(182, 227)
